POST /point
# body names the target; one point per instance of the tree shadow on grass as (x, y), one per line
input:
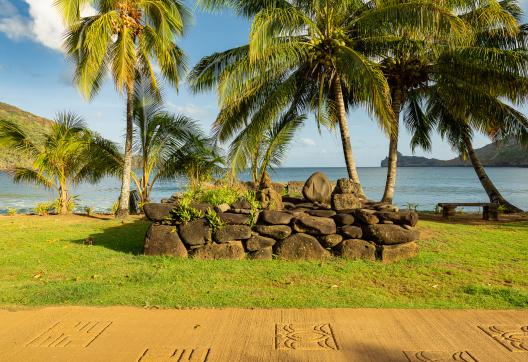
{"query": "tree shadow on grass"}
(126, 237)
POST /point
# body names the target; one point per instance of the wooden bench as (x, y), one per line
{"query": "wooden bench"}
(490, 211)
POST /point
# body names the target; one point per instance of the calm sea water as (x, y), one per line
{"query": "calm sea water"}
(423, 186)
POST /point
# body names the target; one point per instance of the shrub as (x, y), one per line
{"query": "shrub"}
(11, 211)
(89, 210)
(56, 205)
(251, 197)
(115, 207)
(44, 208)
(185, 213)
(218, 196)
(213, 219)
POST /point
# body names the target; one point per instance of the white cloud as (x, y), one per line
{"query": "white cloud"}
(44, 24)
(191, 110)
(308, 142)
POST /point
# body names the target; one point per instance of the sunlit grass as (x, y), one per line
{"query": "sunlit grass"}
(43, 261)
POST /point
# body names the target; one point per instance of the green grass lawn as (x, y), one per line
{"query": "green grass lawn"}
(43, 262)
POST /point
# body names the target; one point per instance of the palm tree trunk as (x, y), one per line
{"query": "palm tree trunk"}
(392, 168)
(63, 201)
(493, 193)
(124, 197)
(345, 136)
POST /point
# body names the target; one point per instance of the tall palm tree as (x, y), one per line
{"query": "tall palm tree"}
(411, 65)
(125, 38)
(492, 74)
(159, 136)
(306, 56)
(66, 154)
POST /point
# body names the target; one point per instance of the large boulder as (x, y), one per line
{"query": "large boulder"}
(386, 234)
(257, 242)
(197, 232)
(229, 233)
(346, 186)
(262, 254)
(341, 202)
(233, 250)
(391, 253)
(230, 218)
(351, 232)
(329, 241)
(317, 189)
(399, 218)
(321, 213)
(295, 188)
(158, 212)
(276, 217)
(301, 247)
(314, 225)
(365, 216)
(356, 249)
(164, 240)
(270, 199)
(344, 219)
(243, 203)
(276, 232)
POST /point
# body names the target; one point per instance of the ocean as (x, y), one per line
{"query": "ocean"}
(422, 186)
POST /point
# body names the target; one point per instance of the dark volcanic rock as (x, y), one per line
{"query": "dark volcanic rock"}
(383, 234)
(329, 241)
(259, 242)
(233, 250)
(351, 232)
(301, 247)
(229, 233)
(344, 219)
(157, 212)
(277, 232)
(276, 217)
(262, 254)
(321, 213)
(234, 219)
(356, 249)
(400, 218)
(390, 253)
(314, 225)
(200, 206)
(164, 240)
(366, 217)
(317, 188)
(196, 232)
(342, 202)
(241, 204)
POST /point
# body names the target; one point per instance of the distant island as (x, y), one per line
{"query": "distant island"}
(509, 154)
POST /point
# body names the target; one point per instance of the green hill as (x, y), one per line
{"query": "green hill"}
(9, 158)
(509, 154)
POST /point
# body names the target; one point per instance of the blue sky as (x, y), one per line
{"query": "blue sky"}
(35, 76)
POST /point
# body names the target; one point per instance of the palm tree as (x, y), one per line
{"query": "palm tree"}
(411, 66)
(308, 57)
(491, 73)
(66, 154)
(125, 38)
(159, 136)
(265, 151)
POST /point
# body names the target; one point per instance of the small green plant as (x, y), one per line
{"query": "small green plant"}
(89, 210)
(115, 207)
(214, 220)
(218, 196)
(251, 198)
(44, 208)
(501, 209)
(11, 211)
(185, 213)
(56, 205)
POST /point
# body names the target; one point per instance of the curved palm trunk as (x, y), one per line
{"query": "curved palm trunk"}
(63, 201)
(493, 193)
(345, 136)
(124, 197)
(392, 167)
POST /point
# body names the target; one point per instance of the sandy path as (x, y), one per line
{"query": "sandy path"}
(130, 334)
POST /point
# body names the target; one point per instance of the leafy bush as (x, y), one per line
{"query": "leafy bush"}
(11, 211)
(219, 196)
(56, 205)
(89, 210)
(44, 208)
(185, 213)
(115, 207)
(251, 198)
(214, 220)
